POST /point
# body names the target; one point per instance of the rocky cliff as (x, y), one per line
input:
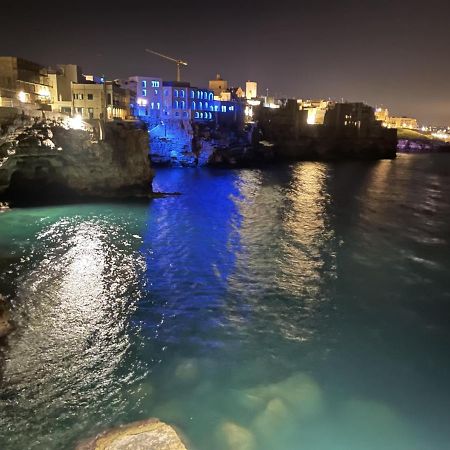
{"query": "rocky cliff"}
(48, 160)
(422, 146)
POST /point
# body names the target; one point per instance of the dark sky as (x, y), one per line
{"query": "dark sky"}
(393, 53)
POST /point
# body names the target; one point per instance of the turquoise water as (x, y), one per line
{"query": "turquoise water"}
(301, 307)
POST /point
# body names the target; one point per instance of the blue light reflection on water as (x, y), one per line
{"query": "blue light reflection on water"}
(302, 307)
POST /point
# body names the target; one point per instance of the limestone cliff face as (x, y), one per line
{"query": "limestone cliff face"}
(45, 160)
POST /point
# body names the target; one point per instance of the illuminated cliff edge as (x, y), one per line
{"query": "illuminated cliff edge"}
(56, 158)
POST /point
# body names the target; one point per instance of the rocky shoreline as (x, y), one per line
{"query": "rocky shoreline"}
(46, 160)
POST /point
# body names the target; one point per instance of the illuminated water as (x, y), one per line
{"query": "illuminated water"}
(308, 305)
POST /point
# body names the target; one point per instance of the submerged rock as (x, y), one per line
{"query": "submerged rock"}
(150, 434)
(272, 418)
(5, 322)
(300, 393)
(187, 370)
(235, 437)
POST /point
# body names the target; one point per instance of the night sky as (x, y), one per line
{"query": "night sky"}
(385, 52)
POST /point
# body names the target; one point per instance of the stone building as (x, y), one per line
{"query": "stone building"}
(251, 90)
(61, 78)
(351, 115)
(218, 85)
(23, 81)
(316, 110)
(402, 122)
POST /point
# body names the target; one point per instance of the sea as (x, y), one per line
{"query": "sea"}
(299, 307)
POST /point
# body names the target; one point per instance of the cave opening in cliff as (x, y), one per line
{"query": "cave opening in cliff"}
(37, 186)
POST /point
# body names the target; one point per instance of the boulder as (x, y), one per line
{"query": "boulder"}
(151, 434)
(232, 436)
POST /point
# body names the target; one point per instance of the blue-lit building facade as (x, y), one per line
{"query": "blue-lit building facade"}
(148, 96)
(158, 100)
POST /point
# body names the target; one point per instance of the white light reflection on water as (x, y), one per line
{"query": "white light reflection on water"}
(288, 256)
(73, 310)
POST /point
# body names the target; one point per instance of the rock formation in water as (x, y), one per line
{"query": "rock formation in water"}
(47, 160)
(148, 434)
(422, 146)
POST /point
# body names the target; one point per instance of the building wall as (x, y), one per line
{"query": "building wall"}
(60, 81)
(251, 89)
(402, 122)
(24, 80)
(89, 100)
(149, 94)
(382, 115)
(118, 101)
(218, 85)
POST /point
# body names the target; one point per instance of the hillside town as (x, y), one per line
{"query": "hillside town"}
(191, 125)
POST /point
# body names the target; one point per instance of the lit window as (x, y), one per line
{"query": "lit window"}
(196, 115)
(200, 94)
(182, 93)
(224, 109)
(201, 115)
(200, 105)
(206, 105)
(216, 108)
(144, 84)
(211, 97)
(155, 83)
(144, 92)
(182, 104)
(193, 105)
(176, 104)
(192, 94)
(231, 108)
(158, 105)
(175, 92)
(153, 105)
(156, 91)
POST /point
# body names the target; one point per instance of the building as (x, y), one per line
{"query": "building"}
(382, 115)
(287, 120)
(61, 78)
(149, 96)
(175, 100)
(355, 116)
(240, 93)
(202, 104)
(251, 90)
(402, 122)
(316, 110)
(23, 81)
(218, 85)
(89, 100)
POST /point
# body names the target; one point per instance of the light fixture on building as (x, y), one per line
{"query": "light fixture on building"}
(76, 122)
(22, 96)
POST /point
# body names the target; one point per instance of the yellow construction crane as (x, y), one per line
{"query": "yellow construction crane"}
(179, 62)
